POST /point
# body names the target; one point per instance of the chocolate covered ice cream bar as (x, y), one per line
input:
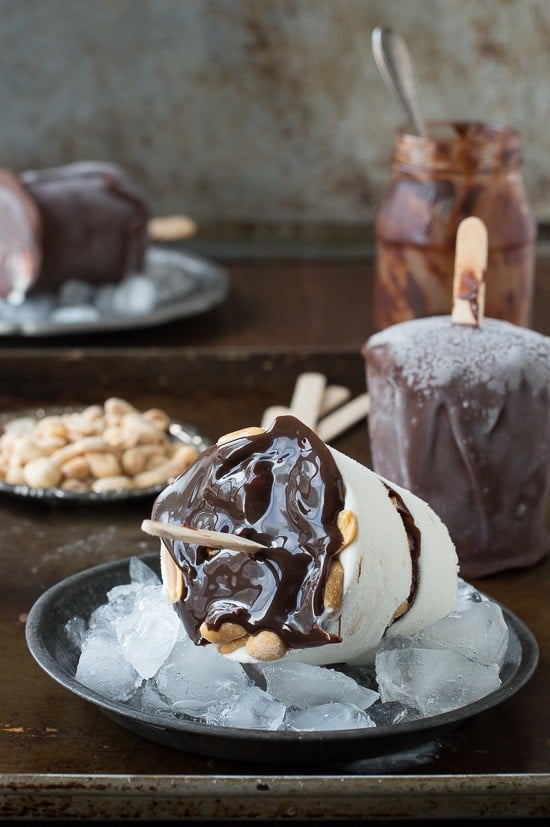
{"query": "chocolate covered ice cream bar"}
(94, 223)
(460, 414)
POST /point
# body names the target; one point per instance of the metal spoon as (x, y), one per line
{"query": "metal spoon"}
(395, 65)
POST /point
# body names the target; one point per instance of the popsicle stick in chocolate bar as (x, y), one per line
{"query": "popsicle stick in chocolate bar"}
(343, 417)
(212, 539)
(469, 272)
(307, 397)
(171, 228)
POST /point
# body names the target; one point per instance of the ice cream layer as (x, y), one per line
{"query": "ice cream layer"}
(346, 552)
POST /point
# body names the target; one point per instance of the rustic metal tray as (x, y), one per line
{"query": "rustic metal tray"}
(61, 758)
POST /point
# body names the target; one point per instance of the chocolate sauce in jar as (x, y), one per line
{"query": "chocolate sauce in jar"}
(460, 169)
(281, 488)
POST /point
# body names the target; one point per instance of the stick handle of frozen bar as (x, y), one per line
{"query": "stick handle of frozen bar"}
(203, 537)
(307, 397)
(171, 228)
(469, 272)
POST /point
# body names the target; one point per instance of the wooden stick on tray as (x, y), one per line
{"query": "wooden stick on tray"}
(212, 539)
(307, 397)
(171, 228)
(322, 407)
(344, 417)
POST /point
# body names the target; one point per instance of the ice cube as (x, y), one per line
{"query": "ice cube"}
(75, 291)
(466, 594)
(479, 632)
(141, 573)
(149, 700)
(254, 709)
(75, 314)
(330, 716)
(120, 602)
(104, 299)
(198, 681)
(103, 667)
(148, 633)
(76, 628)
(433, 680)
(302, 685)
(33, 309)
(136, 295)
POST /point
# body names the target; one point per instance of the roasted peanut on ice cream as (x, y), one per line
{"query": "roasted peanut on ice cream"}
(105, 447)
(340, 553)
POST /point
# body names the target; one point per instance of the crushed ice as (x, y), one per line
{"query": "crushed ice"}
(133, 649)
(77, 302)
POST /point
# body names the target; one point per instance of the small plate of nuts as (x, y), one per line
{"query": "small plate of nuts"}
(103, 452)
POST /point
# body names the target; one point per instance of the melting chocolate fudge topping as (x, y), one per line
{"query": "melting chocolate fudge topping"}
(281, 488)
(94, 223)
(413, 537)
(20, 231)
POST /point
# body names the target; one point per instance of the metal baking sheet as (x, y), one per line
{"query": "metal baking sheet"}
(62, 759)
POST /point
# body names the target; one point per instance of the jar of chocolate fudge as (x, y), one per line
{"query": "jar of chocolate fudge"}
(461, 169)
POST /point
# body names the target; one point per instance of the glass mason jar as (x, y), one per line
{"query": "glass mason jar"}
(461, 169)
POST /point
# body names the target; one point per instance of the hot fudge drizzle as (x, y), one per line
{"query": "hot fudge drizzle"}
(281, 488)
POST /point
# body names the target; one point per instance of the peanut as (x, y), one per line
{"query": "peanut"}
(227, 633)
(101, 448)
(334, 588)
(265, 645)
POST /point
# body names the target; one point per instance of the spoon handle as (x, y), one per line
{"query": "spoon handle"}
(395, 65)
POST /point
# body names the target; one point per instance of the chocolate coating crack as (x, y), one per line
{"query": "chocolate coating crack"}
(281, 488)
(413, 537)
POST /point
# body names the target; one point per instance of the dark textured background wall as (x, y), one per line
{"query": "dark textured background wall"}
(261, 111)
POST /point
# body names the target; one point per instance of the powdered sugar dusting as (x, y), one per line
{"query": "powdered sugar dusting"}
(432, 352)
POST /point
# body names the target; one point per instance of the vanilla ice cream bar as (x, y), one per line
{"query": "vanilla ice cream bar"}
(348, 557)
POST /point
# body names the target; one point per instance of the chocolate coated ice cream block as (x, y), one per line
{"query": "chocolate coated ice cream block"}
(94, 223)
(460, 415)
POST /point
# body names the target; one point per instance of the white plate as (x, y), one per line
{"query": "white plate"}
(186, 284)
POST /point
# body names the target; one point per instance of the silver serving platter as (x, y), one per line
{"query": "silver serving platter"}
(186, 283)
(383, 746)
(179, 431)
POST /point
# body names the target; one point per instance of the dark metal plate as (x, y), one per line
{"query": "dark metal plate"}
(81, 593)
(179, 431)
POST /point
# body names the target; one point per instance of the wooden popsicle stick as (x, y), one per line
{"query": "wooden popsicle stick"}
(270, 413)
(343, 418)
(171, 228)
(212, 539)
(333, 396)
(306, 398)
(469, 272)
